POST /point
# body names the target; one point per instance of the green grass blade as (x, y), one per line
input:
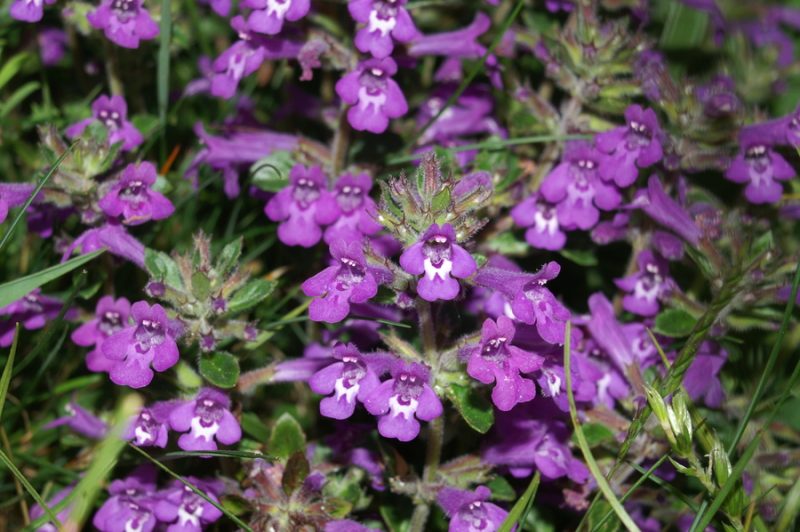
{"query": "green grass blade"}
(165, 36)
(773, 357)
(49, 515)
(18, 96)
(45, 179)
(6, 378)
(108, 452)
(249, 455)
(19, 288)
(522, 506)
(194, 488)
(727, 488)
(602, 483)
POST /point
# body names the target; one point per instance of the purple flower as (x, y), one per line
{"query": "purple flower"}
(470, 115)
(630, 147)
(349, 280)
(528, 299)
(37, 511)
(113, 113)
(718, 97)
(125, 22)
(32, 311)
(385, 21)
(52, 45)
(758, 165)
(532, 436)
(403, 399)
(494, 359)
(668, 212)
(150, 340)
(205, 419)
(268, 15)
(302, 207)
(220, 7)
(113, 237)
(110, 316)
(790, 127)
(13, 195)
(245, 56)
(347, 525)
(184, 509)
(574, 185)
(239, 147)
(541, 219)
(458, 44)
(81, 421)
(349, 379)
(647, 286)
(133, 198)
(469, 511)
(355, 206)
(702, 378)
(131, 504)
(374, 96)
(608, 332)
(150, 426)
(29, 10)
(440, 260)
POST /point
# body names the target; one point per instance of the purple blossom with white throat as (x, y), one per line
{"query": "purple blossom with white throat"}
(496, 360)
(302, 207)
(348, 280)
(29, 10)
(110, 316)
(543, 223)
(758, 165)
(132, 198)
(186, 511)
(470, 511)
(32, 311)
(150, 427)
(438, 258)
(206, 420)
(130, 505)
(351, 378)
(385, 21)
(635, 145)
(647, 286)
(374, 96)
(268, 16)
(351, 192)
(125, 22)
(112, 112)
(576, 189)
(401, 400)
(111, 236)
(149, 341)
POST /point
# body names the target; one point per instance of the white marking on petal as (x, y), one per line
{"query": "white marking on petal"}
(443, 271)
(383, 25)
(342, 390)
(185, 517)
(199, 431)
(397, 409)
(365, 100)
(277, 8)
(142, 436)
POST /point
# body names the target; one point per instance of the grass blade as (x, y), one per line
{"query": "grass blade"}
(523, 505)
(163, 69)
(19, 288)
(250, 455)
(45, 179)
(49, 515)
(194, 488)
(602, 483)
(6, 378)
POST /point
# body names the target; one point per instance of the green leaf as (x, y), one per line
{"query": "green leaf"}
(253, 426)
(502, 490)
(12, 66)
(6, 378)
(250, 295)
(188, 379)
(596, 434)
(521, 507)
(19, 288)
(287, 437)
(17, 97)
(685, 28)
(581, 257)
(229, 256)
(508, 244)
(675, 323)
(295, 472)
(272, 172)
(474, 408)
(49, 513)
(441, 201)
(162, 268)
(220, 369)
(201, 285)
